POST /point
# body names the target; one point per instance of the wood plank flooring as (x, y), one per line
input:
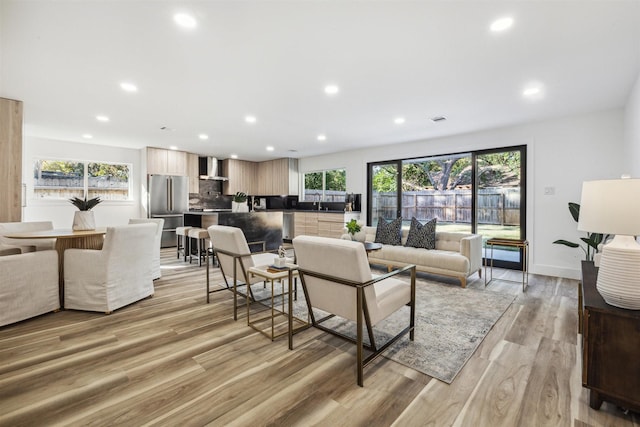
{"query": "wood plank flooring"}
(174, 360)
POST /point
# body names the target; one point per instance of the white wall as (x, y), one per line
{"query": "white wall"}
(632, 132)
(560, 153)
(61, 212)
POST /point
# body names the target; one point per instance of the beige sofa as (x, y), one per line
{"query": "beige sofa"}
(456, 255)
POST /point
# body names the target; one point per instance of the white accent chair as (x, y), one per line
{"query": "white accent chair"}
(117, 275)
(157, 273)
(26, 245)
(234, 257)
(28, 285)
(337, 279)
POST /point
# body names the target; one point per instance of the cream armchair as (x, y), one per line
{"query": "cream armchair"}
(117, 275)
(234, 257)
(337, 279)
(28, 285)
(26, 245)
(157, 273)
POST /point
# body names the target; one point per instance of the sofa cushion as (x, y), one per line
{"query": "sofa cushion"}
(443, 260)
(389, 233)
(422, 235)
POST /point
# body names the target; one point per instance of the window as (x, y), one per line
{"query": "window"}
(481, 192)
(327, 186)
(64, 179)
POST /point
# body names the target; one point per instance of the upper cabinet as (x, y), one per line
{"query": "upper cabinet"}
(166, 162)
(278, 177)
(243, 176)
(270, 178)
(193, 172)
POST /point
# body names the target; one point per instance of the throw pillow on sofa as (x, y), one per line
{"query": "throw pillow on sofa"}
(422, 235)
(389, 233)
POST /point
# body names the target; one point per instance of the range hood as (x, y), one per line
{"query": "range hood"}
(209, 168)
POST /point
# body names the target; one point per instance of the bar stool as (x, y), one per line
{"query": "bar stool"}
(202, 243)
(182, 241)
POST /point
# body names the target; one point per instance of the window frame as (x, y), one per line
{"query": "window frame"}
(474, 155)
(324, 183)
(85, 190)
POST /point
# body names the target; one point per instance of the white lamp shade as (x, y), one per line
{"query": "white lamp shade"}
(610, 207)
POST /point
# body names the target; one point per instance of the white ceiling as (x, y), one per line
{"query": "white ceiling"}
(271, 59)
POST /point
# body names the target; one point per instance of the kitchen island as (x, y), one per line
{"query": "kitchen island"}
(256, 226)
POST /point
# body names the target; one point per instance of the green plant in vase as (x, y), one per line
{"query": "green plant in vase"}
(83, 219)
(352, 228)
(240, 202)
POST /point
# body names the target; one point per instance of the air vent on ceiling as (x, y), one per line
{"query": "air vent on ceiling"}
(438, 119)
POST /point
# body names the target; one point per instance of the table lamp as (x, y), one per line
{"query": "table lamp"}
(613, 207)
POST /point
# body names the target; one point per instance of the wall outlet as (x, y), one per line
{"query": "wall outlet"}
(549, 191)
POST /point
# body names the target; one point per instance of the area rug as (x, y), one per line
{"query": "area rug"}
(451, 322)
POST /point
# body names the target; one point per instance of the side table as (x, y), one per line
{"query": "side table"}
(513, 243)
(289, 273)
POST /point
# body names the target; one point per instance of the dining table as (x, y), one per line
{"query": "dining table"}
(66, 239)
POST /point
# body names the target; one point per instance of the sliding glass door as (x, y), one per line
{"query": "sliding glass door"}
(500, 200)
(384, 191)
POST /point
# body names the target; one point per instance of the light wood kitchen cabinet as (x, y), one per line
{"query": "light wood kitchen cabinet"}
(269, 178)
(330, 224)
(305, 223)
(278, 177)
(242, 174)
(11, 160)
(324, 224)
(193, 170)
(166, 162)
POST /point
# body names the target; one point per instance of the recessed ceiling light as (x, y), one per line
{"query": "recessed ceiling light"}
(87, 136)
(102, 118)
(184, 20)
(399, 120)
(234, 156)
(331, 89)
(322, 137)
(203, 136)
(250, 119)
(501, 24)
(173, 147)
(533, 90)
(270, 148)
(128, 87)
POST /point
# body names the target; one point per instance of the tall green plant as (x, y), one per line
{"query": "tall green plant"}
(592, 240)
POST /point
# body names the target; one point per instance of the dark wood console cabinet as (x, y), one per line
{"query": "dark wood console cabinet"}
(610, 347)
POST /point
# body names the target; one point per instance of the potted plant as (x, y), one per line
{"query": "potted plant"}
(352, 228)
(239, 203)
(83, 218)
(592, 240)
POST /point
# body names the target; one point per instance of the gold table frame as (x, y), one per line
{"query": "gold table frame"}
(513, 243)
(290, 273)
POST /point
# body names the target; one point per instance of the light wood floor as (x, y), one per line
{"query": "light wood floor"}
(175, 360)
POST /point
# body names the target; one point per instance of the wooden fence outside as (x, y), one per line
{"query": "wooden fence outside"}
(64, 187)
(495, 206)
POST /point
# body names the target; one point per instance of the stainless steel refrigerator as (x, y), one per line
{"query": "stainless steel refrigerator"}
(168, 199)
